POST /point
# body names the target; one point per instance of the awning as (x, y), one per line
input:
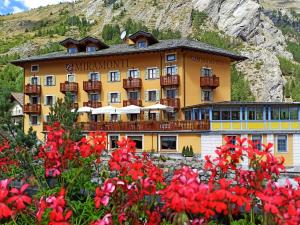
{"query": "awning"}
(131, 109)
(158, 106)
(106, 110)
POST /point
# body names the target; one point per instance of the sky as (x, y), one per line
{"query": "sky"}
(15, 6)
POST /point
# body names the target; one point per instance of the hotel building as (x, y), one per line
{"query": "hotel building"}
(192, 77)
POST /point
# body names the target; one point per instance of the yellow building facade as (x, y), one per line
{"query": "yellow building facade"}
(189, 76)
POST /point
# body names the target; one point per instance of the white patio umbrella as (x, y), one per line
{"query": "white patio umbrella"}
(131, 109)
(106, 110)
(158, 106)
(85, 109)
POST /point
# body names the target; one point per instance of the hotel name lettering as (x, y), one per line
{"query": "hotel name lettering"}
(97, 65)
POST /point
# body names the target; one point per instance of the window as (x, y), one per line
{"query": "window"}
(188, 115)
(293, 113)
(152, 73)
(206, 72)
(49, 81)
(93, 97)
(133, 117)
(226, 115)
(216, 114)
(72, 50)
(90, 49)
(114, 76)
(142, 44)
(275, 115)
(171, 93)
(34, 80)
(138, 141)
(207, 95)
(133, 73)
(34, 100)
(71, 78)
(94, 118)
(33, 120)
(171, 70)
(235, 114)
(114, 97)
(255, 114)
(282, 143)
(284, 114)
(257, 141)
(73, 98)
(35, 68)
(168, 143)
(114, 117)
(151, 96)
(49, 100)
(152, 116)
(94, 76)
(171, 57)
(113, 141)
(133, 95)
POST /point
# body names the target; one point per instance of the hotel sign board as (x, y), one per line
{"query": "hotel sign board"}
(97, 65)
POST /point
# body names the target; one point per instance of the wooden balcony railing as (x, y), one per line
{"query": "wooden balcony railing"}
(132, 83)
(32, 108)
(92, 86)
(196, 125)
(210, 82)
(32, 89)
(136, 102)
(169, 80)
(93, 104)
(173, 102)
(68, 87)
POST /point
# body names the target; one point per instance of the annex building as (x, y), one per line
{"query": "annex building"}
(191, 77)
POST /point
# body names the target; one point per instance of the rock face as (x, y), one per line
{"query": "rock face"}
(245, 19)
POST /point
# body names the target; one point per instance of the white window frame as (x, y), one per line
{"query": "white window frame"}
(202, 95)
(156, 75)
(38, 80)
(175, 66)
(71, 74)
(53, 80)
(167, 135)
(118, 97)
(148, 99)
(137, 70)
(287, 144)
(37, 121)
(35, 71)
(206, 68)
(114, 71)
(143, 140)
(53, 100)
(98, 76)
(108, 136)
(173, 53)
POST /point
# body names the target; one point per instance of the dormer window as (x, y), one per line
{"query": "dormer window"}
(142, 44)
(90, 49)
(72, 50)
(171, 57)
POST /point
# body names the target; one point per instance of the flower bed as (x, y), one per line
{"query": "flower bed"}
(131, 188)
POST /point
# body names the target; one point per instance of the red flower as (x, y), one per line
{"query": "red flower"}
(58, 217)
(19, 198)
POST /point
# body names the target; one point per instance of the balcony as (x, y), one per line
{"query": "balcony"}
(210, 82)
(169, 80)
(32, 89)
(132, 83)
(68, 87)
(93, 104)
(187, 125)
(74, 105)
(136, 102)
(173, 102)
(92, 86)
(32, 108)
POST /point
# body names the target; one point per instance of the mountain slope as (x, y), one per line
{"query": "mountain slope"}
(238, 25)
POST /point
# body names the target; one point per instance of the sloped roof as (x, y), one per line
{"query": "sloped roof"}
(19, 97)
(122, 49)
(151, 39)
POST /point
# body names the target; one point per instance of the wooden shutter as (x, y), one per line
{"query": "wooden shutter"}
(54, 100)
(128, 72)
(157, 73)
(108, 77)
(98, 77)
(54, 80)
(165, 71)
(176, 70)
(157, 95)
(177, 93)
(157, 116)
(38, 80)
(146, 115)
(119, 76)
(118, 117)
(119, 97)
(38, 120)
(202, 71)
(146, 96)
(210, 71)
(108, 98)
(138, 73)
(30, 80)
(45, 80)
(146, 74)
